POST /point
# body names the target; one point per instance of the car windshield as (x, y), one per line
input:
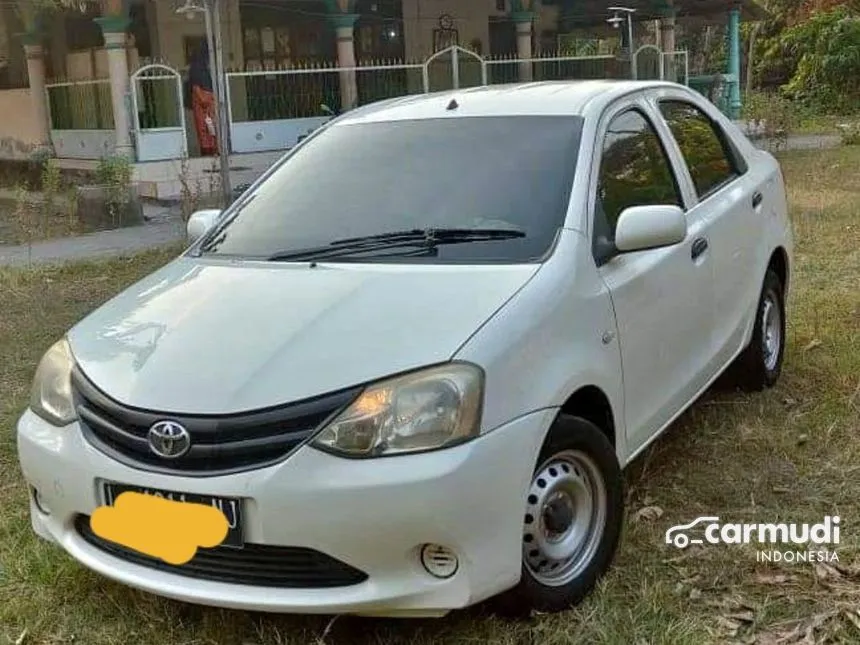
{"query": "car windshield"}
(351, 182)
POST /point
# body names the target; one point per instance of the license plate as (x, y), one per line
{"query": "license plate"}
(231, 507)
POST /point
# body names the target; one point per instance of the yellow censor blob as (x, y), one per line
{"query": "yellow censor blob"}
(160, 528)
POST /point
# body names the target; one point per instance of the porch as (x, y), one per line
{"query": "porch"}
(117, 69)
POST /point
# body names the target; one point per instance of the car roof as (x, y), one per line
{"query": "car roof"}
(568, 98)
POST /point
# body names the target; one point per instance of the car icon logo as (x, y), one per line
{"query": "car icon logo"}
(681, 540)
(169, 439)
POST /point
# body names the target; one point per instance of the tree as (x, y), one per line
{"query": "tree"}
(811, 49)
(827, 50)
(32, 11)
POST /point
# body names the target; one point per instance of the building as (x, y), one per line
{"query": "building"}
(106, 77)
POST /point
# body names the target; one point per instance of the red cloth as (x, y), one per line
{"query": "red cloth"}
(203, 105)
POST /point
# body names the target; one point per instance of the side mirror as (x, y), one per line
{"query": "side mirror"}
(649, 227)
(200, 223)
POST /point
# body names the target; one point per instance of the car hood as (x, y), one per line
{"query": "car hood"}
(207, 337)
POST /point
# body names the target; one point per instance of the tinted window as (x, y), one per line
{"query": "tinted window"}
(703, 145)
(374, 178)
(634, 171)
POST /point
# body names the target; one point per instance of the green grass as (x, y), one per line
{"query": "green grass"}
(791, 453)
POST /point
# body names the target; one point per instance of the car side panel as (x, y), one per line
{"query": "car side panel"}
(661, 299)
(739, 244)
(556, 335)
(773, 227)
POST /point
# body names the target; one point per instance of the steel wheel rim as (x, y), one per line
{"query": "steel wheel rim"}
(771, 332)
(565, 518)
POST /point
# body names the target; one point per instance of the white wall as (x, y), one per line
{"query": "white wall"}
(19, 129)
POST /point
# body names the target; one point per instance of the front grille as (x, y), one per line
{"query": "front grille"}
(258, 565)
(219, 444)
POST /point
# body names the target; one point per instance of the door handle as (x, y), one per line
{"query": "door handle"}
(757, 199)
(700, 245)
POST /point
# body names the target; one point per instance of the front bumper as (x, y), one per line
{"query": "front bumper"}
(373, 515)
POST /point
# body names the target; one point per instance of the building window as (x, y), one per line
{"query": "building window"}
(278, 35)
(82, 32)
(379, 30)
(500, 6)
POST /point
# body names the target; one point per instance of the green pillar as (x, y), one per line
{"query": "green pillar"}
(734, 64)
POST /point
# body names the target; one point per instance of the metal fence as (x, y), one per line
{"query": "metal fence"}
(157, 105)
(157, 97)
(80, 105)
(299, 92)
(676, 67)
(273, 109)
(555, 68)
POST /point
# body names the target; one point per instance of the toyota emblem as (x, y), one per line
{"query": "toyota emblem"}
(169, 439)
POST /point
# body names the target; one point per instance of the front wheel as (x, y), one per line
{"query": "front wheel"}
(572, 519)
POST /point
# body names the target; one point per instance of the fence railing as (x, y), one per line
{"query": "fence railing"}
(555, 68)
(80, 105)
(299, 92)
(158, 98)
(272, 109)
(676, 66)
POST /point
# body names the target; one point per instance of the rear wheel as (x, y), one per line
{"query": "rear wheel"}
(760, 364)
(572, 519)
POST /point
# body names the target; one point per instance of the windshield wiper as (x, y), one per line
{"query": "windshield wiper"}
(415, 238)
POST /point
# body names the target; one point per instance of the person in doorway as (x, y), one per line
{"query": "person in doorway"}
(203, 102)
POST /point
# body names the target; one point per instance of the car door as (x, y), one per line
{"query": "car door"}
(661, 297)
(729, 199)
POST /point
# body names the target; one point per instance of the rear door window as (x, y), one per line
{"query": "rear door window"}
(712, 160)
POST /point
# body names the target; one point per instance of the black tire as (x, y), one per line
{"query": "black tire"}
(570, 437)
(756, 368)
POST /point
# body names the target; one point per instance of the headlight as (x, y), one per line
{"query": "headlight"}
(51, 397)
(426, 410)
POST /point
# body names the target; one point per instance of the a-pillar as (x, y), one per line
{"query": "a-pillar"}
(115, 37)
(667, 41)
(734, 62)
(344, 25)
(36, 72)
(524, 21)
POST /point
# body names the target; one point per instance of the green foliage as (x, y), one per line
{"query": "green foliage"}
(851, 134)
(771, 114)
(114, 170)
(706, 45)
(827, 50)
(114, 174)
(31, 11)
(52, 182)
(813, 54)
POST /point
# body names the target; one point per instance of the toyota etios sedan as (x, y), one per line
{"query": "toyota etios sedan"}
(411, 361)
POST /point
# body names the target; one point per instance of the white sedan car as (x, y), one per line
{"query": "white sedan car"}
(410, 363)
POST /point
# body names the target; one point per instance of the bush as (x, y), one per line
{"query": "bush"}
(850, 133)
(772, 115)
(114, 174)
(827, 50)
